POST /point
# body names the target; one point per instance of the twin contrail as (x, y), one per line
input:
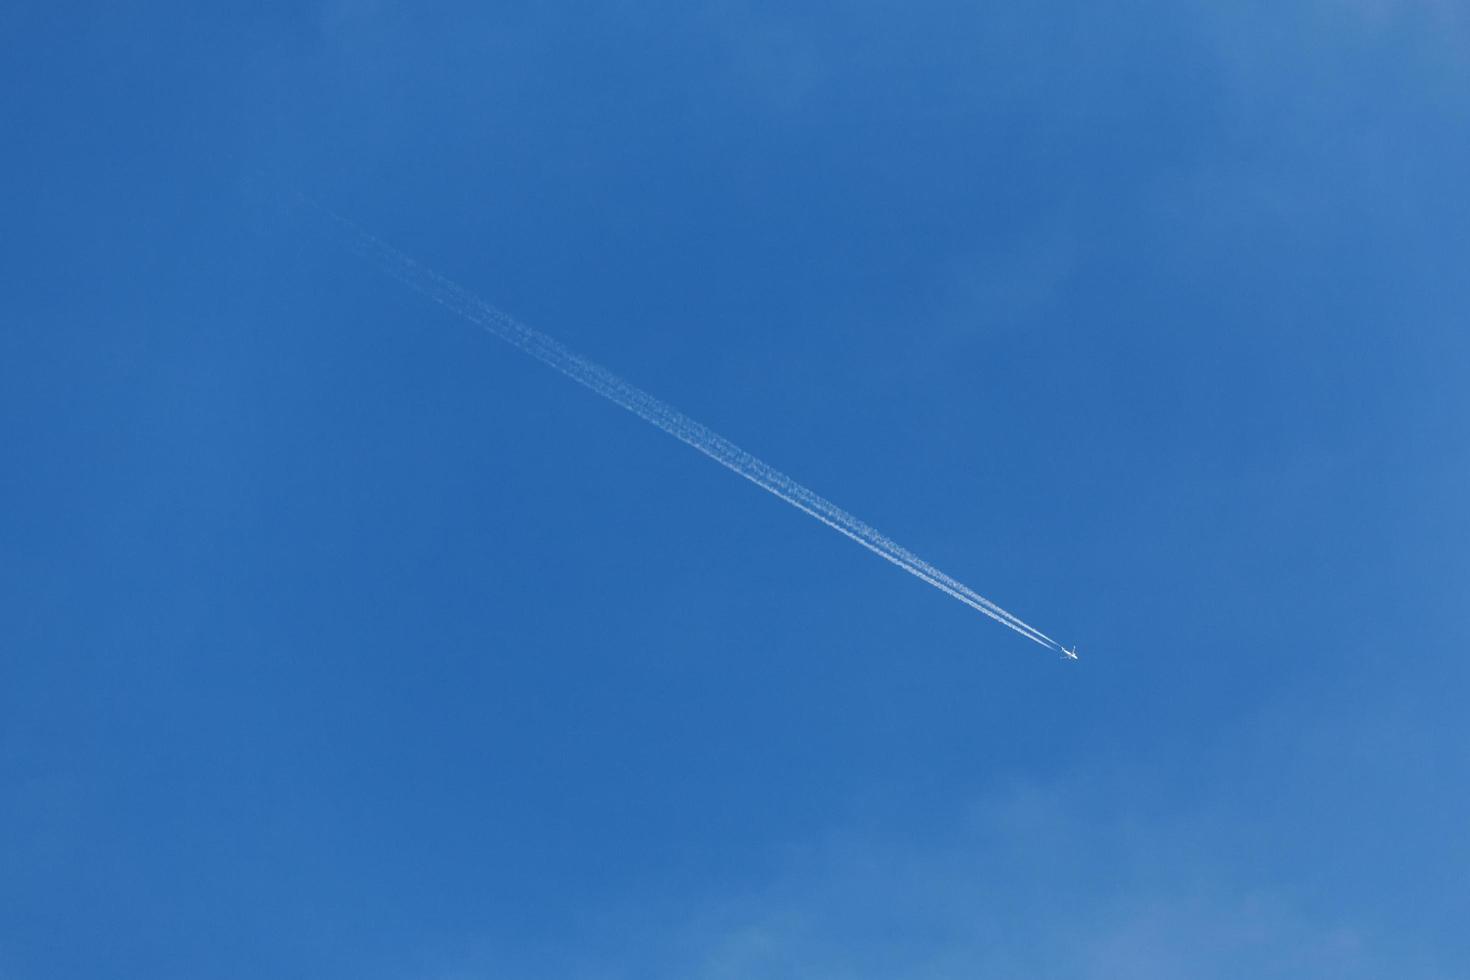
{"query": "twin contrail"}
(552, 353)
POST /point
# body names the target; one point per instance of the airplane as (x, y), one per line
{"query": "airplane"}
(1070, 654)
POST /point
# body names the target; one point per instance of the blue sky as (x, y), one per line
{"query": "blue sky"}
(339, 639)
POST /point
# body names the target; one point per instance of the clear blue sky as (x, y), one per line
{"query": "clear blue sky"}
(338, 639)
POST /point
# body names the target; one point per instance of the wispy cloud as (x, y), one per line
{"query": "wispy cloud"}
(1037, 884)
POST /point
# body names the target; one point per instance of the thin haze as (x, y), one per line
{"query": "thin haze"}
(551, 352)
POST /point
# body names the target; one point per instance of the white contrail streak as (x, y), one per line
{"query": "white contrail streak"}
(551, 352)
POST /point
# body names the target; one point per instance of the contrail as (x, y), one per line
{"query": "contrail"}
(552, 353)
